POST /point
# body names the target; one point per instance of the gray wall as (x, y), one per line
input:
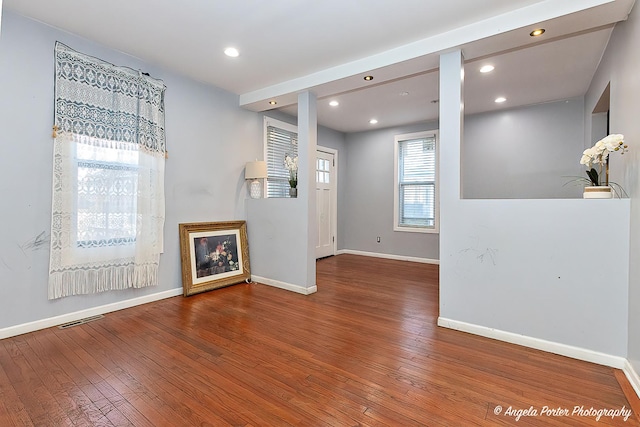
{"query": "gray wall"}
(368, 211)
(520, 270)
(620, 65)
(524, 153)
(598, 128)
(331, 139)
(209, 139)
(284, 242)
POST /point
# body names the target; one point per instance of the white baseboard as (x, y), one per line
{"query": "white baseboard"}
(284, 285)
(632, 376)
(389, 256)
(548, 346)
(24, 328)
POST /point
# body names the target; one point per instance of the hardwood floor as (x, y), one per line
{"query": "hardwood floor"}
(363, 351)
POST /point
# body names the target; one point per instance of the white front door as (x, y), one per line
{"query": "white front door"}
(325, 202)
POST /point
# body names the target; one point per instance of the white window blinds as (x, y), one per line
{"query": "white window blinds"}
(280, 142)
(417, 182)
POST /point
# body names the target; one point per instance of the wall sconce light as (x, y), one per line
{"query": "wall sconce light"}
(255, 171)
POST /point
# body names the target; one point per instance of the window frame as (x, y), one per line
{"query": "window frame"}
(269, 121)
(396, 183)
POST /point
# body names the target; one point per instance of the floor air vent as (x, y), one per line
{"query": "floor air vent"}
(80, 322)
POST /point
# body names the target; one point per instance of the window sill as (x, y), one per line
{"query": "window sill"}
(434, 230)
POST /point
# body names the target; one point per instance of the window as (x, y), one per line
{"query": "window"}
(107, 187)
(323, 171)
(415, 189)
(281, 139)
(107, 221)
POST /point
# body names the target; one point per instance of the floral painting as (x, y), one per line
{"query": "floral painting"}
(214, 254)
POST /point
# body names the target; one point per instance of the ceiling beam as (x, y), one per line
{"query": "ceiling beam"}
(529, 15)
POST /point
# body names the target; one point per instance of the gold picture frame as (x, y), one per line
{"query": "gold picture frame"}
(213, 255)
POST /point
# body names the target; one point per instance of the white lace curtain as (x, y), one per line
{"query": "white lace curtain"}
(108, 177)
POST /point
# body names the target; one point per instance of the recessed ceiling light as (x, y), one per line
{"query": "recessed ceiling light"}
(537, 32)
(232, 52)
(500, 99)
(405, 93)
(368, 78)
(373, 121)
(272, 102)
(334, 103)
(487, 69)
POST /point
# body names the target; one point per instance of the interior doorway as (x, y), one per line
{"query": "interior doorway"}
(600, 117)
(326, 201)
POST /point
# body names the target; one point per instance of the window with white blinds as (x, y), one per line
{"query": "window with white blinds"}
(281, 139)
(415, 187)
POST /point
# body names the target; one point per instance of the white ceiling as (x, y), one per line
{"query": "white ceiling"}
(327, 46)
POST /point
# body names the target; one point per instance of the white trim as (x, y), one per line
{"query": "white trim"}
(334, 195)
(389, 256)
(24, 328)
(396, 178)
(270, 121)
(526, 341)
(632, 376)
(284, 285)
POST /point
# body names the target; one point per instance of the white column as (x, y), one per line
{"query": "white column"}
(451, 130)
(451, 126)
(307, 146)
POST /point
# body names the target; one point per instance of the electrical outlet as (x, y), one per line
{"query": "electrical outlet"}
(378, 239)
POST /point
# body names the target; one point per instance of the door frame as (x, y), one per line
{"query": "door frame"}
(334, 196)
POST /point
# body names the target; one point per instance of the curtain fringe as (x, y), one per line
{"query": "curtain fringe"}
(79, 282)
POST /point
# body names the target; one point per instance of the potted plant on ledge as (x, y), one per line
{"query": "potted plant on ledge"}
(599, 155)
(291, 163)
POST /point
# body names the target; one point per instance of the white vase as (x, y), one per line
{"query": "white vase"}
(598, 192)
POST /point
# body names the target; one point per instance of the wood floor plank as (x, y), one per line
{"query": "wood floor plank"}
(189, 381)
(83, 359)
(629, 392)
(154, 379)
(43, 408)
(51, 376)
(364, 350)
(12, 410)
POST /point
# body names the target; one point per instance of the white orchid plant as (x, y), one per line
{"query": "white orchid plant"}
(291, 163)
(599, 155)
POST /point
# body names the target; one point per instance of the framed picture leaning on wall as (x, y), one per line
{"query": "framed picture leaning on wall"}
(213, 255)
